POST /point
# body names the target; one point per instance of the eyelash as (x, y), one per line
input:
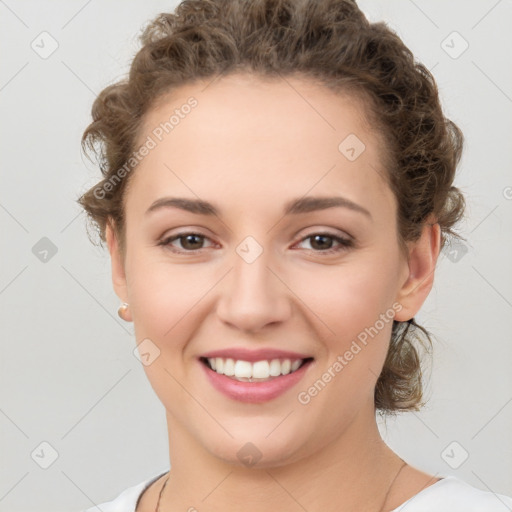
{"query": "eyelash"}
(344, 243)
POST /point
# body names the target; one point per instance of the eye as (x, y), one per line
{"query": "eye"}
(323, 243)
(189, 242)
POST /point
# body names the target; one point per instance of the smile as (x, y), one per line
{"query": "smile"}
(254, 376)
(259, 371)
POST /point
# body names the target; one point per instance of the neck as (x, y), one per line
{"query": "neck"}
(351, 473)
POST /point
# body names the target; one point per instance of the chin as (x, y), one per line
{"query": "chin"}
(251, 448)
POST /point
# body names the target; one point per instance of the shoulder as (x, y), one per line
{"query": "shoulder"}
(451, 494)
(127, 500)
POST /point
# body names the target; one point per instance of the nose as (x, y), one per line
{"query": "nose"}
(254, 295)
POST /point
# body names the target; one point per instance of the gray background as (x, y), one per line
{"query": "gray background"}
(68, 374)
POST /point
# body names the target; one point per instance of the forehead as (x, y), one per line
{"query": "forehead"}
(258, 104)
(260, 133)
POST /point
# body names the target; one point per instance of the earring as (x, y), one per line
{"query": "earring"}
(123, 309)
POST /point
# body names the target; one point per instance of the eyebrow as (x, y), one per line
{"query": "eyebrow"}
(296, 206)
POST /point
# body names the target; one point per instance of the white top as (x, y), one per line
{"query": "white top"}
(447, 495)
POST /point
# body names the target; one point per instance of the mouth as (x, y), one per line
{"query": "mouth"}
(256, 376)
(264, 370)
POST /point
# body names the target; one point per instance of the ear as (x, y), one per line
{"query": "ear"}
(118, 272)
(423, 254)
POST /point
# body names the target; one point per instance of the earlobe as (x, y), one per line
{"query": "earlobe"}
(118, 271)
(423, 254)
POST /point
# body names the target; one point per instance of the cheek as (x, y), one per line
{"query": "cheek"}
(164, 294)
(344, 299)
(359, 311)
(356, 305)
(166, 302)
(352, 298)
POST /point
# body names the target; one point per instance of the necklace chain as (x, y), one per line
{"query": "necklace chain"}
(160, 495)
(380, 510)
(391, 484)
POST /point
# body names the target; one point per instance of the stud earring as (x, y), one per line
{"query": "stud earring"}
(123, 309)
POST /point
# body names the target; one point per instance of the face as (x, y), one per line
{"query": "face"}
(265, 270)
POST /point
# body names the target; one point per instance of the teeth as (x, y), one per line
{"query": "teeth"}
(229, 367)
(243, 370)
(295, 365)
(260, 370)
(275, 367)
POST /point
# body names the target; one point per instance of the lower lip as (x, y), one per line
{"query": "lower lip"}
(254, 392)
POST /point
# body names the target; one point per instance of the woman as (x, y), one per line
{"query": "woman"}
(277, 189)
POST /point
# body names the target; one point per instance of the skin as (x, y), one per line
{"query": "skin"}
(249, 147)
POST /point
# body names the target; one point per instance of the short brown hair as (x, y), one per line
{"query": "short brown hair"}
(331, 42)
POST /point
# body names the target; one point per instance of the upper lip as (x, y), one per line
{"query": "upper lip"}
(261, 354)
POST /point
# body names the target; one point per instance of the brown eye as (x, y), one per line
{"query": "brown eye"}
(323, 243)
(188, 242)
(192, 241)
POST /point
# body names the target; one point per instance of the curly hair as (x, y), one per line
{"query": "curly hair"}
(327, 41)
